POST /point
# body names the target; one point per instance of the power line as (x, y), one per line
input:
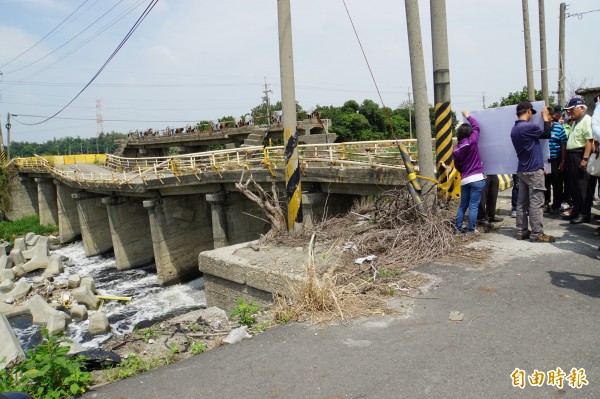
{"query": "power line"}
(105, 120)
(133, 29)
(47, 34)
(68, 41)
(579, 15)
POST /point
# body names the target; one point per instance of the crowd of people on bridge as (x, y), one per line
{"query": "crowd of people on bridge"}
(562, 187)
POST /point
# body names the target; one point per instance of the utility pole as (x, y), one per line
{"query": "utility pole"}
(543, 58)
(266, 101)
(8, 126)
(417, 67)
(441, 89)
(483, 99)
(528, 61)
(288, 102)
(561, 54)
(2, 156)
(410, 115)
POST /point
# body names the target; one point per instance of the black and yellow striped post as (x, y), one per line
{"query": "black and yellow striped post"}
(292, 178)
(443, 140)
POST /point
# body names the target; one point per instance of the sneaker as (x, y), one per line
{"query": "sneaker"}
(542, 238)
(513, 214)
(523, 236)
(564, 206)
(474, 231)
(496, 219)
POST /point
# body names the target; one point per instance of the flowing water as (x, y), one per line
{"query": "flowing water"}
(151, 302)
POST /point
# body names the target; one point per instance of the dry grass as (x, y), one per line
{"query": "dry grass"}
(388, 227)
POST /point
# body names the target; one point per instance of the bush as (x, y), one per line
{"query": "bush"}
(11, 230)
(47, 372)
(246, 311)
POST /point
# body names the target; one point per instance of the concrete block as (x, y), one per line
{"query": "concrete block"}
(40, 310)
(74, 281)
(89, 282)
(4, 248)
(84, 296)
(20, 244)
(6, 286)
(55, 266)
(7, 274)
(18, 271)
(79, 312)
(17, 256)
(11, 347)
(40, 258)
(57, 323)
(6, 262)
(99, 324)
(20, 290)
(31, 239)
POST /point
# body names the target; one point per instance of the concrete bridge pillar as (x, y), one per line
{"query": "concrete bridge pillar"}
(93, 220)
(23, 197)
(47, 201)
(181, 229)
(219, 220)
(69, 228)
(130, 231)
(313, 208)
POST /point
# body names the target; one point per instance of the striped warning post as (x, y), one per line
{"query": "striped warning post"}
(2, 157)
(506, 182)
(443, 140)
(292, 179)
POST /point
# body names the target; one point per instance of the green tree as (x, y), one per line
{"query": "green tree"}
(518, 96)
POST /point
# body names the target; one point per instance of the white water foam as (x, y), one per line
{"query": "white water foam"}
(150, 301)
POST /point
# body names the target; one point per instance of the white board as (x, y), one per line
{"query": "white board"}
(495, 146)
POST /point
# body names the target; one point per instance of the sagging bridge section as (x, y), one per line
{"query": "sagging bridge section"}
(169, 209)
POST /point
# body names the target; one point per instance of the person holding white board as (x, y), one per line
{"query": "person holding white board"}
(525, 137)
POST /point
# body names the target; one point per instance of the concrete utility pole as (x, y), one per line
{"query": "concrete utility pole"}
(2, 156)
(410, 115)
(441, 87)
(561, 54)
(288, 102)
(8, 126)
(267, 101)
(543, 58)
(417, 67)
(528, 62)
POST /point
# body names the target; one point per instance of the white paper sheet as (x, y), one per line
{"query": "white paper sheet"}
(495, 146)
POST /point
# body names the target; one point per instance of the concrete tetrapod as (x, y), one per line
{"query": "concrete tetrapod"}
(99, 324)
(40, 310)
(6, 262)
(11, 347)
(85, 296)
(21, 289)
(40, 257)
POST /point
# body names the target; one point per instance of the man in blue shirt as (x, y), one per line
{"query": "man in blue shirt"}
(558, 155)
(525, 136)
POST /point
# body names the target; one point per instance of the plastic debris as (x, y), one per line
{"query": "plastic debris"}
(237, 335)
(456, 316)
(360, 261)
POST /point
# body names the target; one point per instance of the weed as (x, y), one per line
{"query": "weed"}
(384, 273)
(246, 312)
(257, 329)
(149, 333)
(173, 348)
(285, 317)
(197, 348)
(47, 372)
(133, 365)
(197, 327)
(11, 230)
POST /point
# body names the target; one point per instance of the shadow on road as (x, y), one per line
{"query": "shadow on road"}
(583, 283)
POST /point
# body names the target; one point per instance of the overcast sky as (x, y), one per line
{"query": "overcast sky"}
(196, 60)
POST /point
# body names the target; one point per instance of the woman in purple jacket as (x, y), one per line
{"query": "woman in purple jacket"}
(468, 162)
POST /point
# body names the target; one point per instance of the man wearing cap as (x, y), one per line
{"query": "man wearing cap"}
(558, 153)
(596, 118)
(579, 148)
(525, 136)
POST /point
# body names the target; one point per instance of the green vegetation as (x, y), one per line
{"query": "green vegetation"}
(246, 311)
(103, 143)
(518, 96)
(46, 372)
(133, 365)
(11, 230)
(197, 348)
(149, 333)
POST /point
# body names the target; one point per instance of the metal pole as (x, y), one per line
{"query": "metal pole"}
(561, 55)
(8, 137)
(543, 58)
(441, 89)
(528, 61)
(288, 102)
(417, 66)
(2, 155)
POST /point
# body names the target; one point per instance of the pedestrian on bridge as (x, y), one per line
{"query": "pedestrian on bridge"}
(468, 163)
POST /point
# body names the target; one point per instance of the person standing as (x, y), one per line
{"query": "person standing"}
(468, 163)
(525, 136)
(487, 206)
(579, 148)
(558, 154)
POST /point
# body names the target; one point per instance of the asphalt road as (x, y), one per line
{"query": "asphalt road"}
(534, 306)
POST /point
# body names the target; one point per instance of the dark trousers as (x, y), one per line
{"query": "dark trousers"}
(515, 192)
(548, 185)
(489, 197)
(581, 190)
(557, 179)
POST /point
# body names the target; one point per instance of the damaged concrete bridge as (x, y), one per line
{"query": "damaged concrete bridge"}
(169, 209)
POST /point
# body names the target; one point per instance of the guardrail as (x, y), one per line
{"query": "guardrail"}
(123, 170)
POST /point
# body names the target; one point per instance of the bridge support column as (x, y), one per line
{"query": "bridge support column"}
(93, 219)
(69, 228)
(47, 201)
(219, 220)
(23, 198)
(130, 232)
(313, 208)
(181, 229)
